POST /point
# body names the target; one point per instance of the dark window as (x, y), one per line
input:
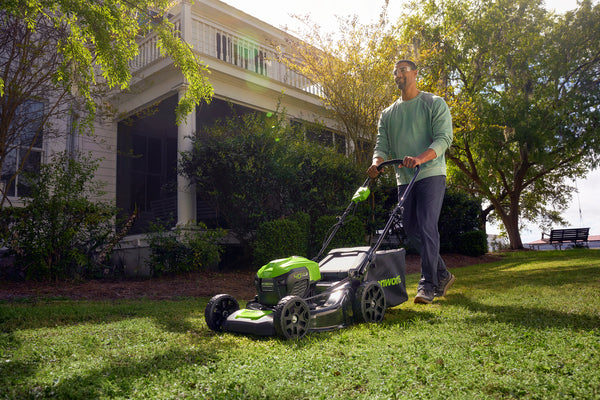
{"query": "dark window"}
(28, 125)
(146, 166)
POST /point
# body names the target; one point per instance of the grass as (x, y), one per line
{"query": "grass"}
(526, 327)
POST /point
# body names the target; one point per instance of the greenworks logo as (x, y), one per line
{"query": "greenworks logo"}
(391, 281)
(300, 275)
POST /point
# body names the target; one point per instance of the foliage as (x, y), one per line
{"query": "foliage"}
(460, 214)
(280, 238)
(522, 85)
(525, 326)
(352, 233)
(25, 107)
(303, 220)
(59, 231)
(102, 36)
(65, 56)
(257, 169)
(353, 71)
(472, 243)
(185, 248)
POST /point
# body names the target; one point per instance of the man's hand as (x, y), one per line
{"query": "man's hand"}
(412, 162)
(372, 172)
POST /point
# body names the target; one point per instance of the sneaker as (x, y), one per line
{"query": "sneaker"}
(424, 296)
(444, 285)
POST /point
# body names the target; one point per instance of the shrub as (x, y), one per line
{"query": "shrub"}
(184, 248)
(352, 233)
(59, 231)
(473, 243)
(260, 169)
(279, 238)
(459, 214)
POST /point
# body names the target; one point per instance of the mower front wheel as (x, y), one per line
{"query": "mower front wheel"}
(291, 317)
(218, 309)
(369, 302)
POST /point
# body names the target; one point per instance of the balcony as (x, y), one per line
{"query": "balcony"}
(211, 40)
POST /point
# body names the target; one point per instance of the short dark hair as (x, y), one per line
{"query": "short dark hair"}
(411, 63)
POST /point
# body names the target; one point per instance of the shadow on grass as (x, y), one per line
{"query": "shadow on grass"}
(173, 316)
(118, 379)
(530, 317)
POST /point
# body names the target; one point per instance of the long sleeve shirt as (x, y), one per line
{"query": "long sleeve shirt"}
(408, 128)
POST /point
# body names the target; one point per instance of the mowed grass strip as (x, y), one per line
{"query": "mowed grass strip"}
(526, 327)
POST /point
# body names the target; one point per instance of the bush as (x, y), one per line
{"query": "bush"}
(459, 214)
(352, 233)
(59, 231)
(473, 243)
(278, 239)
(260, 169)
(184, 248)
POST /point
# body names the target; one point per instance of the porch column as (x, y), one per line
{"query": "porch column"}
(186, 192)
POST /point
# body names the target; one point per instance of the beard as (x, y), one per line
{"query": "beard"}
(401, 83)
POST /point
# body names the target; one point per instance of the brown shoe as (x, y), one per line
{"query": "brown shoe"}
(424, 297)
(444, 285)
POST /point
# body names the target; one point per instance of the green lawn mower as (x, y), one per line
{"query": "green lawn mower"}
(296, 295)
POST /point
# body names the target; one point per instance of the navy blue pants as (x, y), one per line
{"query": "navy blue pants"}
(422, 209)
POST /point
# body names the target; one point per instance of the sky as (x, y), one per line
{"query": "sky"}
(278, 13)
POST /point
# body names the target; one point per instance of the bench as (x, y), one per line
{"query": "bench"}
(570, 235)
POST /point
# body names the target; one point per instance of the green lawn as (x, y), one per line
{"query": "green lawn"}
(527, 327)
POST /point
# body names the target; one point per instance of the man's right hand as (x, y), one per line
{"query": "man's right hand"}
(373, 172)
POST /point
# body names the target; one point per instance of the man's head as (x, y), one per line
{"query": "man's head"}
(405, 74)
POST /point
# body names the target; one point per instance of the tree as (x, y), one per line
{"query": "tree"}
(55, 51)
(27, 68)
(523, 87)
(353, 72)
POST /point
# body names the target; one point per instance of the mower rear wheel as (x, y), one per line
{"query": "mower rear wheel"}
(369, 302)
(218, 309)
(291, 317)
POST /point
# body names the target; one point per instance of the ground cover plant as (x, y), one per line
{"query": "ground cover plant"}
(525, 327)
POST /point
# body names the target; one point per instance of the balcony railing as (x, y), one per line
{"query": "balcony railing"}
(211, 40)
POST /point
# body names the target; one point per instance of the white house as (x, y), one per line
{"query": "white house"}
(241, 55)
(139, 142)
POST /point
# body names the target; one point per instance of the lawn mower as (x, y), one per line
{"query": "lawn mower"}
(296, 295)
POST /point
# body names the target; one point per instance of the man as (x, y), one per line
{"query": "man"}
(417, 128)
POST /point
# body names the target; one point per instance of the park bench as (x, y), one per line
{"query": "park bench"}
(570, 235)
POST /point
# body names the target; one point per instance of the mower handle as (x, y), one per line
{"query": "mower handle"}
(394, 161)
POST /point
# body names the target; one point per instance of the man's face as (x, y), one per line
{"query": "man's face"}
(404, 75)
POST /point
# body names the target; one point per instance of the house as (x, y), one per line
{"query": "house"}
(241, 55)
(139, 147)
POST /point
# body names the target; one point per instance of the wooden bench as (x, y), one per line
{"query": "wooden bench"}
(570, 235)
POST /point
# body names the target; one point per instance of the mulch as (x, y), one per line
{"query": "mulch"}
(240, 284)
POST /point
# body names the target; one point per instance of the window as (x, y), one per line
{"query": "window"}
(26, 150)
(323, 136)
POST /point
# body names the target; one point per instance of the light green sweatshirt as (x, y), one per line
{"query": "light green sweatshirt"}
(408, 128)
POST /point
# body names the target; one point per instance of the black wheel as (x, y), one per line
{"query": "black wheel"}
(218, 309)
(369, 302)
(291, 317)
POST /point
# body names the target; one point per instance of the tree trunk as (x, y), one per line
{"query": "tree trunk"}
(514, 236)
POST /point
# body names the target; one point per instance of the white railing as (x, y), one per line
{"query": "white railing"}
(149, 51)
(218, 42)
